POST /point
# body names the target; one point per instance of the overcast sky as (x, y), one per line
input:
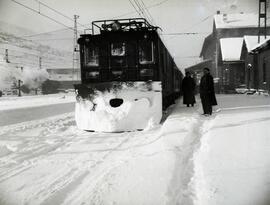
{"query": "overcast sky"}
(173, 16)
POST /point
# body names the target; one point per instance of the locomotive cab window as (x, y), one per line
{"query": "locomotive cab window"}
(91, 56)
(118, 55)
(118, 49)
(146, 52)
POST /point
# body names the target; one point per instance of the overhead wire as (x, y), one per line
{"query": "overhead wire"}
(141, 9)
(58, 12)
(135, 8)
(85, 25)
(148, 12)
(38, 12)
(184, 33)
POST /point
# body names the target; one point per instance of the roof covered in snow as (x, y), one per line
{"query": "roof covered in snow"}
(261, 46)
(237, 20)
(231, 48)
(252, 41)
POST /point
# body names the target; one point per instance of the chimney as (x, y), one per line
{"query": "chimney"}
(218, 11)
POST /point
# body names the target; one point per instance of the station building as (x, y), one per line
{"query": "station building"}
(227, 50)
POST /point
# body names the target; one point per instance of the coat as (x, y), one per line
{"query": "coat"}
(188, 87)
(207, 90)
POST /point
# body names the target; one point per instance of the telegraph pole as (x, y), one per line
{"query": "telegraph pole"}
(75, 49)
(19, 85)
(6, 56)
(39, 62)
(262, 19)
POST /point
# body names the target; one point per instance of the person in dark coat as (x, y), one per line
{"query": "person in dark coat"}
(188, 87)
(207, 92)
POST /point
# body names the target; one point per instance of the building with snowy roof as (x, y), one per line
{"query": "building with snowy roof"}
(261, 53)
(65, 76)
(232, 34)
(252, 77)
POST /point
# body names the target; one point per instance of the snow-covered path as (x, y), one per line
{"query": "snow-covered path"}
(232, 165)
(189, 159)
(50, 161)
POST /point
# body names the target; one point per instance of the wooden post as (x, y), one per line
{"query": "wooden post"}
(19, 88)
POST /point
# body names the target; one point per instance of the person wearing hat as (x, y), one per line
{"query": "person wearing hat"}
(188, 87)
(207, 92)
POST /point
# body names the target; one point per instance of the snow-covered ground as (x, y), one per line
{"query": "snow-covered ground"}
(188, 159)
(13, 102)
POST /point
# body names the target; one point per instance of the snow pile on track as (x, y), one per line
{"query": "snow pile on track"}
(139, 107)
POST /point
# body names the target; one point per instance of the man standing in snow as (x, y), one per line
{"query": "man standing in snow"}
(207, 92)
(188, 86)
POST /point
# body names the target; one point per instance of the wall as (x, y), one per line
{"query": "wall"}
(262, 57)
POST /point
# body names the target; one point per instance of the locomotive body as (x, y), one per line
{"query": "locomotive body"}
(127, 76)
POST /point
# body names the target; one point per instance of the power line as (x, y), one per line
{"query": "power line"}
(38, 12)
(38, 34)
(47, 54)
(53, 39)
(147, 11)
(132, 12)
(85, 25)
(141, 9)
(58, 12)
(184, 33)
(135, 8)
(203, 20)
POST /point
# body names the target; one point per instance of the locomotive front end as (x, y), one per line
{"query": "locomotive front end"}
(120, 89)
(118, 106)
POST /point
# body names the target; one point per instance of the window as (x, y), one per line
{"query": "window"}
(146, 52)
(118, 55)
(118, 49)
(92, 75)
(91, 56)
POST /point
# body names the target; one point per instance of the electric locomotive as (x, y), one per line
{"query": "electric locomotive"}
(127, 77)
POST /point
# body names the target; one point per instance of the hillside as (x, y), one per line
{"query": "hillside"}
(24, 51)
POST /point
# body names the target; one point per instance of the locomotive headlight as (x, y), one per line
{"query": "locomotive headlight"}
(117, 73)
(93, 74)
(146, 72)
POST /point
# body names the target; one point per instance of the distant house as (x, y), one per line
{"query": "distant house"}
(261, 54)
(251, 63)
(224, 48)
(65, 76)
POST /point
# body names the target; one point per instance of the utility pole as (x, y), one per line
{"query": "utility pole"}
(39, 62)
(6, 56)
(262, 19)
(75, 50)
(19, 85)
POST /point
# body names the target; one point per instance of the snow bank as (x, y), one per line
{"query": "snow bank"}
(8, 103)
(232, 165)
